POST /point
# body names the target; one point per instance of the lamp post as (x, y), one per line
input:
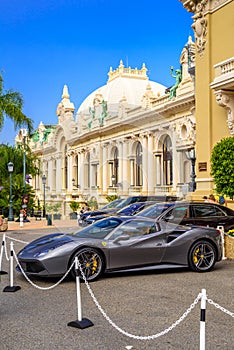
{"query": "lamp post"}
(24, 133)
(10, 166)
(190, 154)
(44, 184)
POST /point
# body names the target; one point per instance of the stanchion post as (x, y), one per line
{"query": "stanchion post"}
(203, 320)
(21, 219)
(11, 287)
(81, 323)
(1, 254)
(221, 228)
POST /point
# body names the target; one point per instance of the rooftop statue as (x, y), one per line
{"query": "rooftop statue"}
(178, 76)
(92, 114)
(104, 113)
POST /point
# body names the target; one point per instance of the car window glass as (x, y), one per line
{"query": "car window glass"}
(177, 213)
(153, 211)
(135, 229)
(99, 229)
(206, 210)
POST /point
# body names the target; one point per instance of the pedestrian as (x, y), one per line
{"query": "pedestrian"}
(212, 199)
(205, 199)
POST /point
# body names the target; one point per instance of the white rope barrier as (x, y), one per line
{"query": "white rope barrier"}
(16, 240)
(150, 337)
(35, 285)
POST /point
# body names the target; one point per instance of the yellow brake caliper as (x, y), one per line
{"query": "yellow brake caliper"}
(94, 265)
(195, 258)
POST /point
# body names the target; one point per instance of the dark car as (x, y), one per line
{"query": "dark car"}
(122, 243)
(119, 205)
(129, 210)
(192, 213)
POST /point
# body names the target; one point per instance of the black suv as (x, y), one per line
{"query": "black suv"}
(192, 213)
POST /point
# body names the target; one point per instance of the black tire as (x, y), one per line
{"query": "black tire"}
(202, 256)
(91, 262)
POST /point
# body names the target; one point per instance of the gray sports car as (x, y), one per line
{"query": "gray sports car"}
(123, 243)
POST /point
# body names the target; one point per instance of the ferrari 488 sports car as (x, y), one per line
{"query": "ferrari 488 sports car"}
(123, 243)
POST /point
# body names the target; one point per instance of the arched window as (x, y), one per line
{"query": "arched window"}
(138, 164)
(167, 161)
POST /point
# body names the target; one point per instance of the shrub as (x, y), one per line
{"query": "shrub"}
(222, 166)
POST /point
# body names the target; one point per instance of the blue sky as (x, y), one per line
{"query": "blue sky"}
(48, 43)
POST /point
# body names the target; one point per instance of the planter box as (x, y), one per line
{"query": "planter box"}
(73, 216)
(4, 225)
(229, 247)
(57, 216)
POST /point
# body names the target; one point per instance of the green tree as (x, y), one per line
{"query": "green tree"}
(222, 166)
(11, 104)
(14, 155)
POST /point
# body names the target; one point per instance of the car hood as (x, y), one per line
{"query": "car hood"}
(47, 242)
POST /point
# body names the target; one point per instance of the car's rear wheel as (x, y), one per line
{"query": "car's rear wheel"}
(202, 256)
(91, 263)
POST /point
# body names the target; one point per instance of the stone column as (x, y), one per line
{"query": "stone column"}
(145, 164)
(151, 165)
(81, 171)
(125, 167)
(104, 167)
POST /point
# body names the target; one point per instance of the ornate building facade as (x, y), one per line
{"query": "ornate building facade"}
(213, 30)
(135, 136)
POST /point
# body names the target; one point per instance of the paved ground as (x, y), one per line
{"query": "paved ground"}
(139, 303)
(40, 225)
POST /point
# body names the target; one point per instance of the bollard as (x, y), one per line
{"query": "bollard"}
(1, 254)
(21, 219)
(203, 321)
(11, 287)
(49, 219)
(81, 323)
(221, 228)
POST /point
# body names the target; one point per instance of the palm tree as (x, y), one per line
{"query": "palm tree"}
(11, 103)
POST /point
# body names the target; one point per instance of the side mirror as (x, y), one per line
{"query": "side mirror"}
(168, 218)
(123, 237)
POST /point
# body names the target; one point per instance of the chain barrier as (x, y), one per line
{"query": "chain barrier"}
(6, 254)
(16, 240)
(35, 285)
(210, 301)
(150, 337)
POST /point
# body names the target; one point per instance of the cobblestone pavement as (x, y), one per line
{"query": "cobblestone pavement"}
(139, 303)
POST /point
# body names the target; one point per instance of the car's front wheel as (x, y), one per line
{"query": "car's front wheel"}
(91, 263)
(202, 256)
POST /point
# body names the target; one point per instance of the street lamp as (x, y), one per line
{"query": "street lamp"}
(190, 154)
(10, 166)
(44, 184)
(24, 133)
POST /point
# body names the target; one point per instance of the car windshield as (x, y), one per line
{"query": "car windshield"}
(123, 203)
(112, 204)
(99, 229)
(135, 228)
(154, 210)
